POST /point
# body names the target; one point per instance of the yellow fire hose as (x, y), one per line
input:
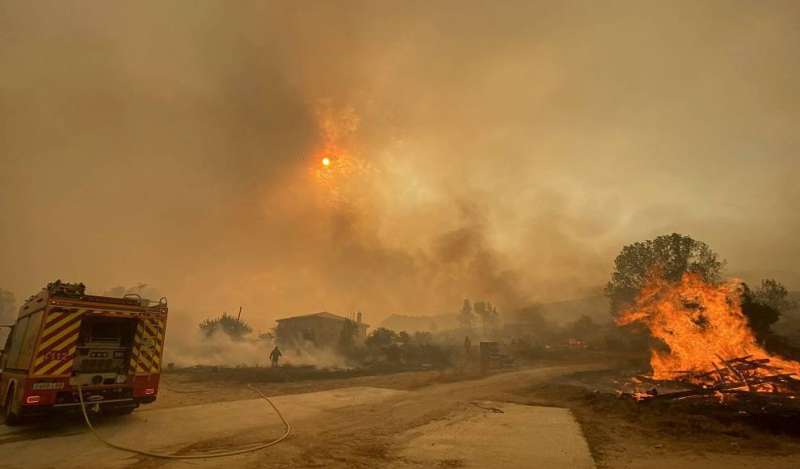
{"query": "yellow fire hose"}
(218, 454)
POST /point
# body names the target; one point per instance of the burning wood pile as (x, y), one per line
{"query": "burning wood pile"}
(739, 377)
(711, 351)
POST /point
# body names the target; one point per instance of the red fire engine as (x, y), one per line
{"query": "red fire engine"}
(64, 338)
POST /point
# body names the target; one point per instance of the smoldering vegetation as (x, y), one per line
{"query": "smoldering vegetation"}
(221, 350)
(538, 332)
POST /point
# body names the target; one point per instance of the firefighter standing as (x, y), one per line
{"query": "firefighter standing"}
(274, 356)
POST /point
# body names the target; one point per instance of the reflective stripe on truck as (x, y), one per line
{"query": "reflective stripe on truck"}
(58, 342)
(147, 346)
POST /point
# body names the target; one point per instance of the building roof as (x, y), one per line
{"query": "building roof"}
(323, 315)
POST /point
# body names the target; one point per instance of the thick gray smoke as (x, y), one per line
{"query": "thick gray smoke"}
(502, 151)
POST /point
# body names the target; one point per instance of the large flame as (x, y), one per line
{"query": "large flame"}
(701, 324)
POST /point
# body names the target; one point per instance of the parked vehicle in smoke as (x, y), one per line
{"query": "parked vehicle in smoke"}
(64, 339)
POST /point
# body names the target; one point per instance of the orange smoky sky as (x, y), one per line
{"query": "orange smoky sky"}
(497, 150)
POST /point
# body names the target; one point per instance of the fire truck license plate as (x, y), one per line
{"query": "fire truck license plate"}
(47, 386)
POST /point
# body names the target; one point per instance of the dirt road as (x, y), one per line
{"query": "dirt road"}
(378, 435)
(349, 427)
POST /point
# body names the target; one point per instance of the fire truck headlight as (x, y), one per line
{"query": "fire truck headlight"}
(33, 399)
(121, 379)
(149, 391)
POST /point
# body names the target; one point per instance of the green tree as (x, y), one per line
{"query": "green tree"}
(381, 337)
(672, 255)
(481, 311)
(492, 320)
(488, 316)
(423, 338)
(466, 318)
(235, 328)
(403, 338)
(764, 306)
(773, 294)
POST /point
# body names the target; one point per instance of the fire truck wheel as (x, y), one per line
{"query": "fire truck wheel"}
(12, 418)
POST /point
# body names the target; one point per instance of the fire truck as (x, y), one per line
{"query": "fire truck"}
(64, 339)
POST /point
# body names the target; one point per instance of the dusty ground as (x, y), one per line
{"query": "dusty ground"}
(620, 434)
(192, 387)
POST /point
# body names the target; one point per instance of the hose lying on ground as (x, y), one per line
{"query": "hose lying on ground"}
(218, 454)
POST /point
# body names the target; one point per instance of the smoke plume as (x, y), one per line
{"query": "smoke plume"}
(502, 151)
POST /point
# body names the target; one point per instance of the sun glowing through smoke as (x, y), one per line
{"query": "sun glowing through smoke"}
(337, 165)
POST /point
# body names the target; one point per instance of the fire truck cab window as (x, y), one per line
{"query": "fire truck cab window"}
(29, 340)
